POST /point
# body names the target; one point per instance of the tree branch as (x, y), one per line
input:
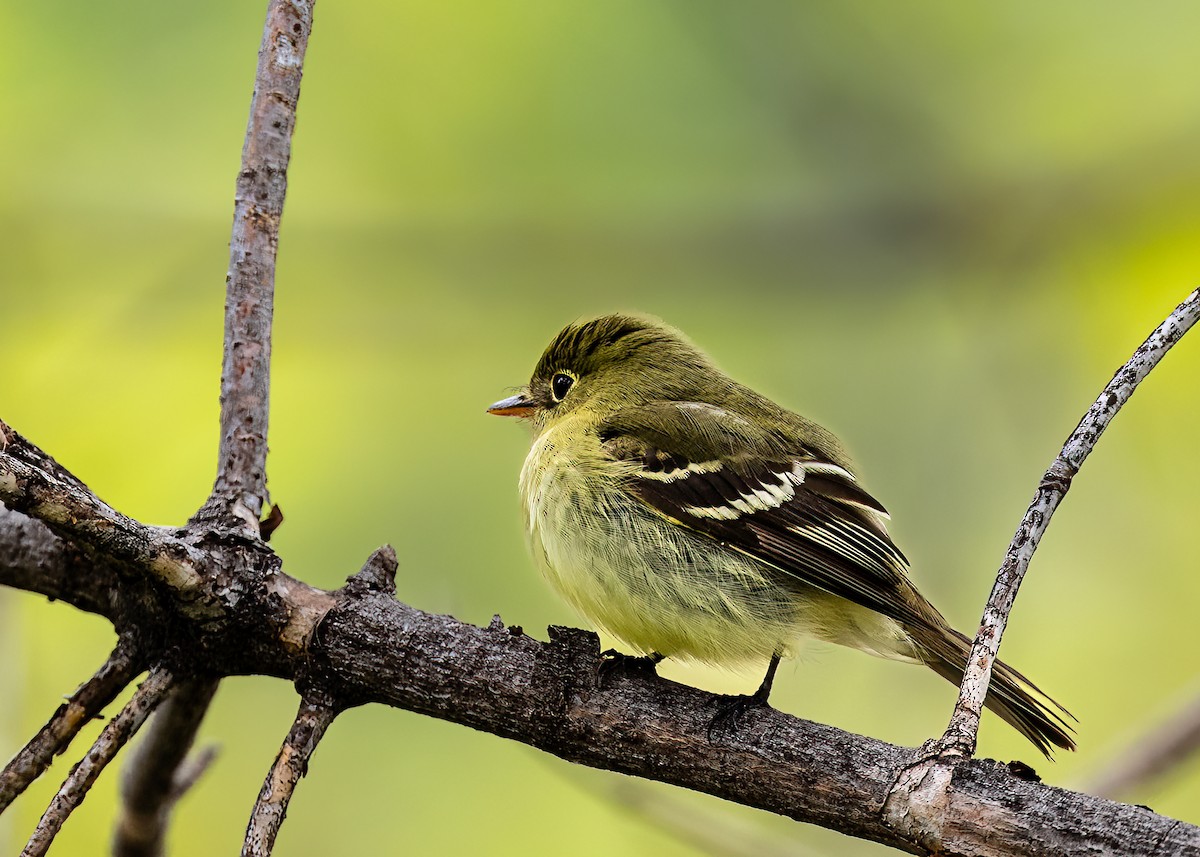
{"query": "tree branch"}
(918, 800)
(291, 764)
(1152, 755)
(34, 483)
(192, 769)
(34, 559)
(240, 489)
(114, 736)
(961, 734)
(360, 645)
(241, 484)
(149, 788)
(85, 704)
(373, 648)
(158, 576)
(710, 833)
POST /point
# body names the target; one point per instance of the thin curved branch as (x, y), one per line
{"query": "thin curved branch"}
(313, 718)
(1162, 748)
(963, 729)
(712, 834)
(918, 799)
(240, 490)
(85, 704)
(149, 790)
(193, 768)
(114, 736)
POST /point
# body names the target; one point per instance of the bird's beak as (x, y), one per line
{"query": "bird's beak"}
(514, 406)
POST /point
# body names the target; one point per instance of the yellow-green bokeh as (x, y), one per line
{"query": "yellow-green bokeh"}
(937, 228)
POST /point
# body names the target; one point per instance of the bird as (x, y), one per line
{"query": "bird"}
(693, 518)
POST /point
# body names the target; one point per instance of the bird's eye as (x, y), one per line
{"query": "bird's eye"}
(560, 385)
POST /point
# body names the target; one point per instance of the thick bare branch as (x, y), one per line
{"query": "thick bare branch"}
(291, 764)
(359, 645)
(53, 738)
(373, 648)
(35, 484)
(961, 734)
(206, 581)
(150, 788)
(83, 776)
(34, 559)
(241, 485)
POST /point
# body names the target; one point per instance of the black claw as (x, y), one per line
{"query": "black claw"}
(733, 708)
(614, 663)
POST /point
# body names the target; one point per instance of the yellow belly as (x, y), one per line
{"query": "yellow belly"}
(661, 588)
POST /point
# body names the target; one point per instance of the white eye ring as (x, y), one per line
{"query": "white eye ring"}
(561, 384)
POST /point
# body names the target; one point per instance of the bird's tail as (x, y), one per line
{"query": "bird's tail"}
(1015, 698)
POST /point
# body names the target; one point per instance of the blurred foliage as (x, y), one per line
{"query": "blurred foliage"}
(936, 227)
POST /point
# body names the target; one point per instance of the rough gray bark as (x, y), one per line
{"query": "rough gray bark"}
(291, 763)
(86, 703)
(33, 559)
(241, 485)
(360, 645)
(83, 776)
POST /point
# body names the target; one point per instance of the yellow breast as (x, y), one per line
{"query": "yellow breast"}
(654, 585)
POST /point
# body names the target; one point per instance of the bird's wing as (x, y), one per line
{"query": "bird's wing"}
(767, 496)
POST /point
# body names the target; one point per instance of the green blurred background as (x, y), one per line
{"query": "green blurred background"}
(936, 227)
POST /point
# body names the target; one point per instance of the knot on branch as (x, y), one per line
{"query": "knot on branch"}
(497, 625)
(574, 648)
(917, 804)
(1058, 477)
(571, 670)
(378, 574)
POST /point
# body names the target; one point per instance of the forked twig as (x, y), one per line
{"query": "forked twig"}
(83, 776)
(192, 769)
(149, 789)
(84, 704)
(291, 764)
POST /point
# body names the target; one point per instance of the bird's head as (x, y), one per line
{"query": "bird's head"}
(608, 363)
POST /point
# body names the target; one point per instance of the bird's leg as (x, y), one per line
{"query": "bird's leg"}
(613, 663)
(764, 689)
(731, 710)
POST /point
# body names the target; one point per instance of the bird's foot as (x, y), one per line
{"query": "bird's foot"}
(614, 663)
(732, 709)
